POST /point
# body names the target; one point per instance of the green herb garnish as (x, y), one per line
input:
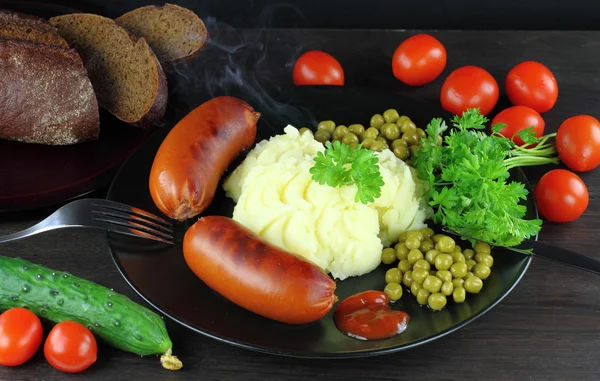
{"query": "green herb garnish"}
(339, 165)
(467, 174)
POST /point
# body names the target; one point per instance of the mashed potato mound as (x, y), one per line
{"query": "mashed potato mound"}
(277, 199)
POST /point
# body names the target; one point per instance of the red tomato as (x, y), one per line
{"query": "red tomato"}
(578, 143)
(318, 68)
(518, 118)
(20, 336)
(70, 347)
(561, 196)
(469, 87)
(533, 85)
(419, 60)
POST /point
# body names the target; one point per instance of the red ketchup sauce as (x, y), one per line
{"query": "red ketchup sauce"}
(368, 316)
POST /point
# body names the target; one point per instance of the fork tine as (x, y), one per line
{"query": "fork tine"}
(130, 217)
(117, 206)
(130, 231)
(113, 223)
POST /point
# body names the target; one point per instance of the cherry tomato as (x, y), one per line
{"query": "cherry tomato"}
(518, 118)
(533, 85)
(469, 87)
(578, 143)
(318, 68)
(561, 196)
(419, 60)
(20, 336)
(70, 347)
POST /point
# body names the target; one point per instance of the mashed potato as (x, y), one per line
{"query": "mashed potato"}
(277, 199)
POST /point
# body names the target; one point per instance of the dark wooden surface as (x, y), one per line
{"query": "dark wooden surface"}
(547, 328)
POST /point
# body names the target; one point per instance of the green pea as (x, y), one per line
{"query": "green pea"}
(458, 257)
(414, 256)
(406, 124)
(482, 271)
(427, 232)
(326, 125)
(393, 291)
(419, 275)
(473, 285)
(357, 129)
(350, 139)
(305, 129)
(340, 131)
(459, 295)
(371, 133)
(402, 251)
(421, 133)
(393, 275)
(378, 146)
(401, 152)
(444, 275)
(445, 245)
(381, 139)
(482, 248)
(421, 264)
(414, 288)
(399, 142)
(443, 261)
(407, 278)
(459, 270)
(391, 115)
(412, 243)
(470, 274)
(377, 121)
(430, 256)
(392, 132)
(432, 283)
(422, 296)
(436, 238)
(437, 301)
(484, 258)
(402, 236)
(388, 256)
(470, 264)
(322, 136)
(468, 253)
(410, 137)
(367, 143)
(458, 282)
(426, 245)
(414, 234)
(404, 266)
(447, 288)
(457, 249)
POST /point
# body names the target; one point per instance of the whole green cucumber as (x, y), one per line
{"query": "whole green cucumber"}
(59, 296)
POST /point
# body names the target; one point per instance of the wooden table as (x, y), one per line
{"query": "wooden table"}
(547, 328)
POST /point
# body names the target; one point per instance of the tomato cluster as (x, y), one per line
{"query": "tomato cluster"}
(69, 347)
(531, 87)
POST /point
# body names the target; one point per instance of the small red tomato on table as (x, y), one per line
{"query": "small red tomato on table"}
(532, 84)
(318, 68)
(469, 87)
(561, 196)
(578, 143)
(419, 60)
(518, 118)
(70, 347)
(20, 336)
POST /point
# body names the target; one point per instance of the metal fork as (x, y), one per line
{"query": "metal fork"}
(102, 214)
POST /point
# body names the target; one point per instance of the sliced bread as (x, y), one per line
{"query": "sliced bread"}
(45, 95)
(128, 79)
(171, 31)
(22, 27)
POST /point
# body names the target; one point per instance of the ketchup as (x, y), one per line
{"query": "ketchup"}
(368, 316)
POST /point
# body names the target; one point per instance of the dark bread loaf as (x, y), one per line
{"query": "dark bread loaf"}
(127, 78)
(171, 31)
(22, 27)
(45, 95)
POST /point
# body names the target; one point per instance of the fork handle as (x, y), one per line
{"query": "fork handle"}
(565, 257)
(35, 229)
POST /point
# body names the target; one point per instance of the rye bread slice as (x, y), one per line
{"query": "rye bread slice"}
(22, 27)
(128, 79)
(46, 96)
(173, 32)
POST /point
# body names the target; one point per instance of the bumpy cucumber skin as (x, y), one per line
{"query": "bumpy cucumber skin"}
(59, 296)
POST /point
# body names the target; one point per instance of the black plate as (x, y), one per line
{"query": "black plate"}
(162, 278)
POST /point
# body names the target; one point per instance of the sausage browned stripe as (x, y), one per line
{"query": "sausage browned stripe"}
(256, 275)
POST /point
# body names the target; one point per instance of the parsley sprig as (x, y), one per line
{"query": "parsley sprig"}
(467, 173)
(341, 165)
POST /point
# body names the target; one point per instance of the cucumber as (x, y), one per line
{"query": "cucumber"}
(59, 296)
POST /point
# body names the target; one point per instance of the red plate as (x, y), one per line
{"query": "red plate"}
(32, 175)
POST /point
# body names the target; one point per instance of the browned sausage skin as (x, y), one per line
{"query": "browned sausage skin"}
(192, 158)
(256, 275)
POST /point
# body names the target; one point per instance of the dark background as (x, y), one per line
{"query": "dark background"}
(379, 14)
